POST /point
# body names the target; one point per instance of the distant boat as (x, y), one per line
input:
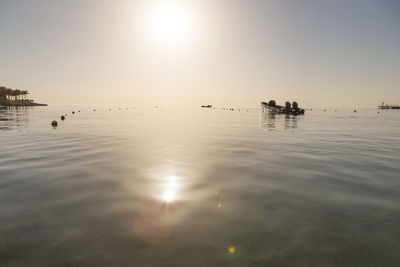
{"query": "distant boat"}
(383, 106)
(206, 106)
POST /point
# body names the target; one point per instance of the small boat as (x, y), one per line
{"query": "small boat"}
(383, 106)
(289, 109)
(206, 106)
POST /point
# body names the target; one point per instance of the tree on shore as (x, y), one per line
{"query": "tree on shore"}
(10, 94)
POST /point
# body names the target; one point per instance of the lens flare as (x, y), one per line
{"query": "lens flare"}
(231, 249)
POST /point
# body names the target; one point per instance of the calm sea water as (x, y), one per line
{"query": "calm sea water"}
(199, 187)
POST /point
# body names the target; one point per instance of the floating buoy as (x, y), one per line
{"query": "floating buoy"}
(73, 112)
(54, 123)
(79, 111)
(62, 118)
(355, 110)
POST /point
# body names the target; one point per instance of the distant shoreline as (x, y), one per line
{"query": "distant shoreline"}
(19, 103)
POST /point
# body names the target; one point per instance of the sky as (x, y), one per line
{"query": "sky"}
(341, 53)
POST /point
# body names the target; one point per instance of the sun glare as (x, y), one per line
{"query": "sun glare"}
(168, 196)
(171, 188)
(169, 23)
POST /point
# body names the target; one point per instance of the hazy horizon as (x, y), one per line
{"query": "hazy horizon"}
(226, 53)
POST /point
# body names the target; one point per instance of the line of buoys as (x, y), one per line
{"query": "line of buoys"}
(232, 109)
(54, 123)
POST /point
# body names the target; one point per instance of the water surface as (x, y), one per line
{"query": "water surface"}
(199, 187)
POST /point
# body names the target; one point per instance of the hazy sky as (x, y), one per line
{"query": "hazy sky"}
(223, 52)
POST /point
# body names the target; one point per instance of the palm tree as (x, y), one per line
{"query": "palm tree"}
(14, 94)
(18, 94)
(3, 92)
(10, 93)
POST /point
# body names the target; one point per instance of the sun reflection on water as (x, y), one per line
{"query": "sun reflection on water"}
(157, 214)
(171, 189)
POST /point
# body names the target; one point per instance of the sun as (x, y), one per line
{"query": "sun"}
(169, 23)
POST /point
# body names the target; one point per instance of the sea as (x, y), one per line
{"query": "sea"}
(170, 186)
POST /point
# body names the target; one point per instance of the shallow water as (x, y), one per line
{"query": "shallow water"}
(199, 187)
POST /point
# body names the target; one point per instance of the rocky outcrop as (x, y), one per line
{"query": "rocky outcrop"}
(19, 103)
